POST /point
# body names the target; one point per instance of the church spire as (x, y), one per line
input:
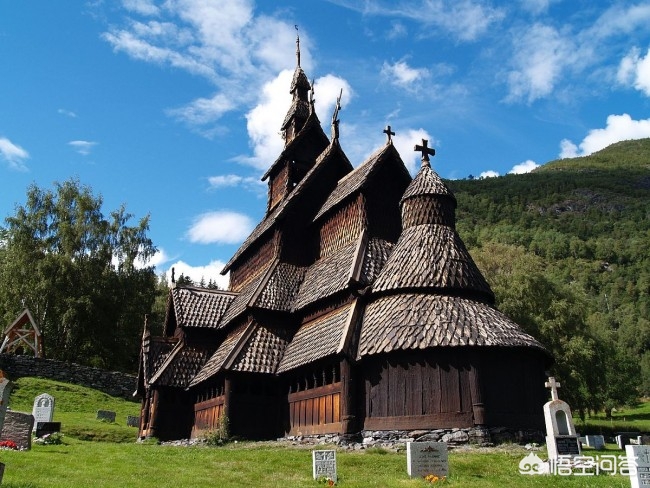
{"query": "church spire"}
(300, 105)
(297, 47)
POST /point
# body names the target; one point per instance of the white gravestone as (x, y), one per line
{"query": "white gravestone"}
(5, 390)
(561, 437)
(43, 409)
(324, 464)
(639, 456)
(425, 458)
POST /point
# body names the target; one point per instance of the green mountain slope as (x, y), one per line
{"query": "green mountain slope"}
(582, 226)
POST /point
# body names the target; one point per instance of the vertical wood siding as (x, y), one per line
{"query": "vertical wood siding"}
(206, 415)
(315, 411)
(257, 263)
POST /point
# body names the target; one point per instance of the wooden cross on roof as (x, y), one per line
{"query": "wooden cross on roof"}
(426, 151)
(389, 133)
(553, 385)
(335, 117)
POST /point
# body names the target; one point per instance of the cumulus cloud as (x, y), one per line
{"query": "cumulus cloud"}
(210, 271)
(220, 227)
(619, 128)
(13, 154)
(402, 75)
(488, 174)
(525, 167)
(144, 7)
(231, 181)
(82, 147)
(634, 70)
(67, 113)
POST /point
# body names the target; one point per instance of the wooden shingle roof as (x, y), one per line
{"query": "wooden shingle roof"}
(420, 321)
(262, 351)
(318, 339)
(280, 290)
(354, 181)
(427, 182)
(200, 307)
(246, 296)
(432, 257)
(180, 366)
(333, 150)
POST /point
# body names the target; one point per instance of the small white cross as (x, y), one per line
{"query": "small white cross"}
(553, 385)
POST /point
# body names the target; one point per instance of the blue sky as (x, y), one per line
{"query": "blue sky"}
(174, 107)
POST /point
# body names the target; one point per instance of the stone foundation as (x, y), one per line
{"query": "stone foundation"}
(396, 440)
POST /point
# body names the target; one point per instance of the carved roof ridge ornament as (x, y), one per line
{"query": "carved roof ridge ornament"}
(426, 151)
(297, 45)
(335, 118)
(389, 133)
(312, 100)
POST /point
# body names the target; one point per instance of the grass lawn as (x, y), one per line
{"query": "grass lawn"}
(99, 454)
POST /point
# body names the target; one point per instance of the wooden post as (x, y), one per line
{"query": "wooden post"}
(154, 417)
(227, 400)
(348, 404)
(476, 389)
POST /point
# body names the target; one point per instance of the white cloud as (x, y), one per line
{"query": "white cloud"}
(231, 181)
(525, 167)
(13, 154)
(144, 7)
(488, 174)
(68, 113)
(402, 75)
(221, 227)
(541, 53)
(619, 128)
(204, 110)
(211, 271)
(82, 147)
(634, 70)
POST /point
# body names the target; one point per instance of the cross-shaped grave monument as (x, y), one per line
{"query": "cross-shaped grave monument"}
(561, 437)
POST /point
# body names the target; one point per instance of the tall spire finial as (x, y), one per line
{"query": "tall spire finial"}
(312, 100)
(335, 117)
(297, 45)
(426, 150)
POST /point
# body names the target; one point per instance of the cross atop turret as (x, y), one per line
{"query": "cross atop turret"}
(426, 151)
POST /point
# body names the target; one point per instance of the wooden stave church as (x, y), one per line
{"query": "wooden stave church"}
(353, 305)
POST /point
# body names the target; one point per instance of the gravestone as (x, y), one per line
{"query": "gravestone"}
(5, 390)
(43, 409)
(132, 421)
(625, 439)
(106, 415)
(595, 441)
(425, 458)
(324, 464)
(561, 437)
(46, 428)
(643, 440)
(639, 456)
(2, 471)
(18, 428)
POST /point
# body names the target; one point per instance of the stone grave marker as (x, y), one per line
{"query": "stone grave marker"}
(5, 390)
(425, 458)
(45, 428)
(106, 415)
(18, 427)
(43, 409)
(132, 421)
(595, 441)
(2, 471)
(561, 437)
(643, 440)
(324, 464)
(639, 456)
(625, 438)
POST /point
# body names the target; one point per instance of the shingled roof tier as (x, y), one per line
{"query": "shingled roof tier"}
(281, 289)
(432, 257)
(200, 307)
(182, 364)
(427, 182)
(354, 181)
(417, 321)
(247, 296)
(333, 150)
(318, 339)
(262, 351)
(215, 363)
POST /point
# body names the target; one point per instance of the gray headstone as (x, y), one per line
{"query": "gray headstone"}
(425, 458)
(2, 472)
(43, 409)
(18, 428)
(639, 456)
(132, 421)
(106, 415)
(644, 440)
(324, 464)
(5, 391)
(625, 439)
(595, 441)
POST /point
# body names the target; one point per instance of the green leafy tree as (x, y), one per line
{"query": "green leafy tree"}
(82, 275)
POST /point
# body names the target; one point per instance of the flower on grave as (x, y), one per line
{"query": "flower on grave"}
(432, 478)
(326, 481)
(8, 445)
(50, 439)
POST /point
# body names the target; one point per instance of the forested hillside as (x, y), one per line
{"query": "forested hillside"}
(566, 250)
